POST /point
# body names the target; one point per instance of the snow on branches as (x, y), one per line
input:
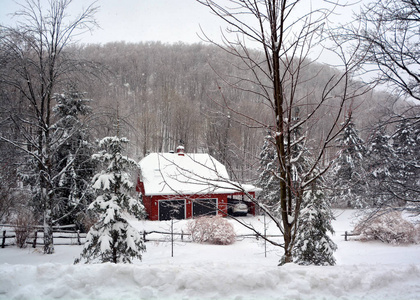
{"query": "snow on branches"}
(313, 243)
(112, 238)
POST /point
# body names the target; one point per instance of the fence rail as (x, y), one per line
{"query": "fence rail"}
(182, 236)
(347, 234)
(146, 233)
(61, 235)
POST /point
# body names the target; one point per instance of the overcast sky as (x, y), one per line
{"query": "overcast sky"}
(168, 21)
(140, 20)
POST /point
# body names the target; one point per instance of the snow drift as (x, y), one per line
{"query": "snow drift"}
(207, 280)
(370, 270)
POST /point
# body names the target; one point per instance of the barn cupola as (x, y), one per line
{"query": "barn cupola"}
(180, 150)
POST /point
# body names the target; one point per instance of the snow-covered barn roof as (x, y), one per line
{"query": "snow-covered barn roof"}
(186, 174)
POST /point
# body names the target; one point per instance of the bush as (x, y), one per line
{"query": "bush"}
(24, 226)
(85, 220)
(212, 230)
(389, 227)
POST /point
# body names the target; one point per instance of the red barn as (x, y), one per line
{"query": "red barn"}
(181, 186)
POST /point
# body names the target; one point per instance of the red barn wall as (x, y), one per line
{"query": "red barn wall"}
(151, 204)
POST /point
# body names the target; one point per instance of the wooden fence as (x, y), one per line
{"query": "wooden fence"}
(172, 235)
(347, 234)
(63, 235)
(159, 236)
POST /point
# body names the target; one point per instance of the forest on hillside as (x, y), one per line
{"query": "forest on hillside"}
(167, 94)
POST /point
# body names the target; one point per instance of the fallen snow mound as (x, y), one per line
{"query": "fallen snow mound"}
(216, 281)
(243, 270)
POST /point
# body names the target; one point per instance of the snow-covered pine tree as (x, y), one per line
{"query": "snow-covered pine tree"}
(72, 156)
(299, 162)
(70, 167)
(406, 170)
(269, 179)
(112, 238)
(379, 160)
(348, 174)
(300, 156)
(313, 245)
(415, 194)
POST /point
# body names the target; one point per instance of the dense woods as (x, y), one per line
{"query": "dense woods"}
(166, 94)
(170, 94)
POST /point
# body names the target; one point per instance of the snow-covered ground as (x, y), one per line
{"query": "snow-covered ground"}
(364, 270)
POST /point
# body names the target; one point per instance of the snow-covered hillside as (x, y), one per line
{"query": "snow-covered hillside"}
(239, 271)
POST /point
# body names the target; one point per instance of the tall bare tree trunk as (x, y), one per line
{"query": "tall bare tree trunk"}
(286, 31)
(36, 64)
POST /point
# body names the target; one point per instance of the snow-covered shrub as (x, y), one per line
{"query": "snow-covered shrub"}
(389, 227)
(213, 230)
(24, 225)
(86, 220)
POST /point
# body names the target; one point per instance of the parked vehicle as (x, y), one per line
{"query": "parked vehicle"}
(237, 208)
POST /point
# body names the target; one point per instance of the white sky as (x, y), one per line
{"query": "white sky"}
(167, 21)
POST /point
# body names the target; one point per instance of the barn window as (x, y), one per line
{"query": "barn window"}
(171, 209)
(204, 207)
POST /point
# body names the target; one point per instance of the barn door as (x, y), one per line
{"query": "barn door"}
(171, 209)
(204, 207)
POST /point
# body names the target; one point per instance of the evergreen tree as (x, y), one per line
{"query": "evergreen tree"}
(71, 166)
(269, 178)
(37, 63)
(72, 155)
(415, 184)
(392, 165)
(300, 157)
(379, 160)
(406, 170)
(112, 238)
(313, 245)
(348, 174)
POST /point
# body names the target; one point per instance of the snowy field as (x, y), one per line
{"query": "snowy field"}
(364, 270)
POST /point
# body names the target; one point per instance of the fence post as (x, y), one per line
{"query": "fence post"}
(345, 236)
(144, 236)
(78, 237)
(35, 236)
(4, 239)
(172, 237)
(182, 235)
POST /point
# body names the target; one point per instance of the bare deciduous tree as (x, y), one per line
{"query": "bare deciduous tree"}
(286, 32)
(34, 63)
(387, 31)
